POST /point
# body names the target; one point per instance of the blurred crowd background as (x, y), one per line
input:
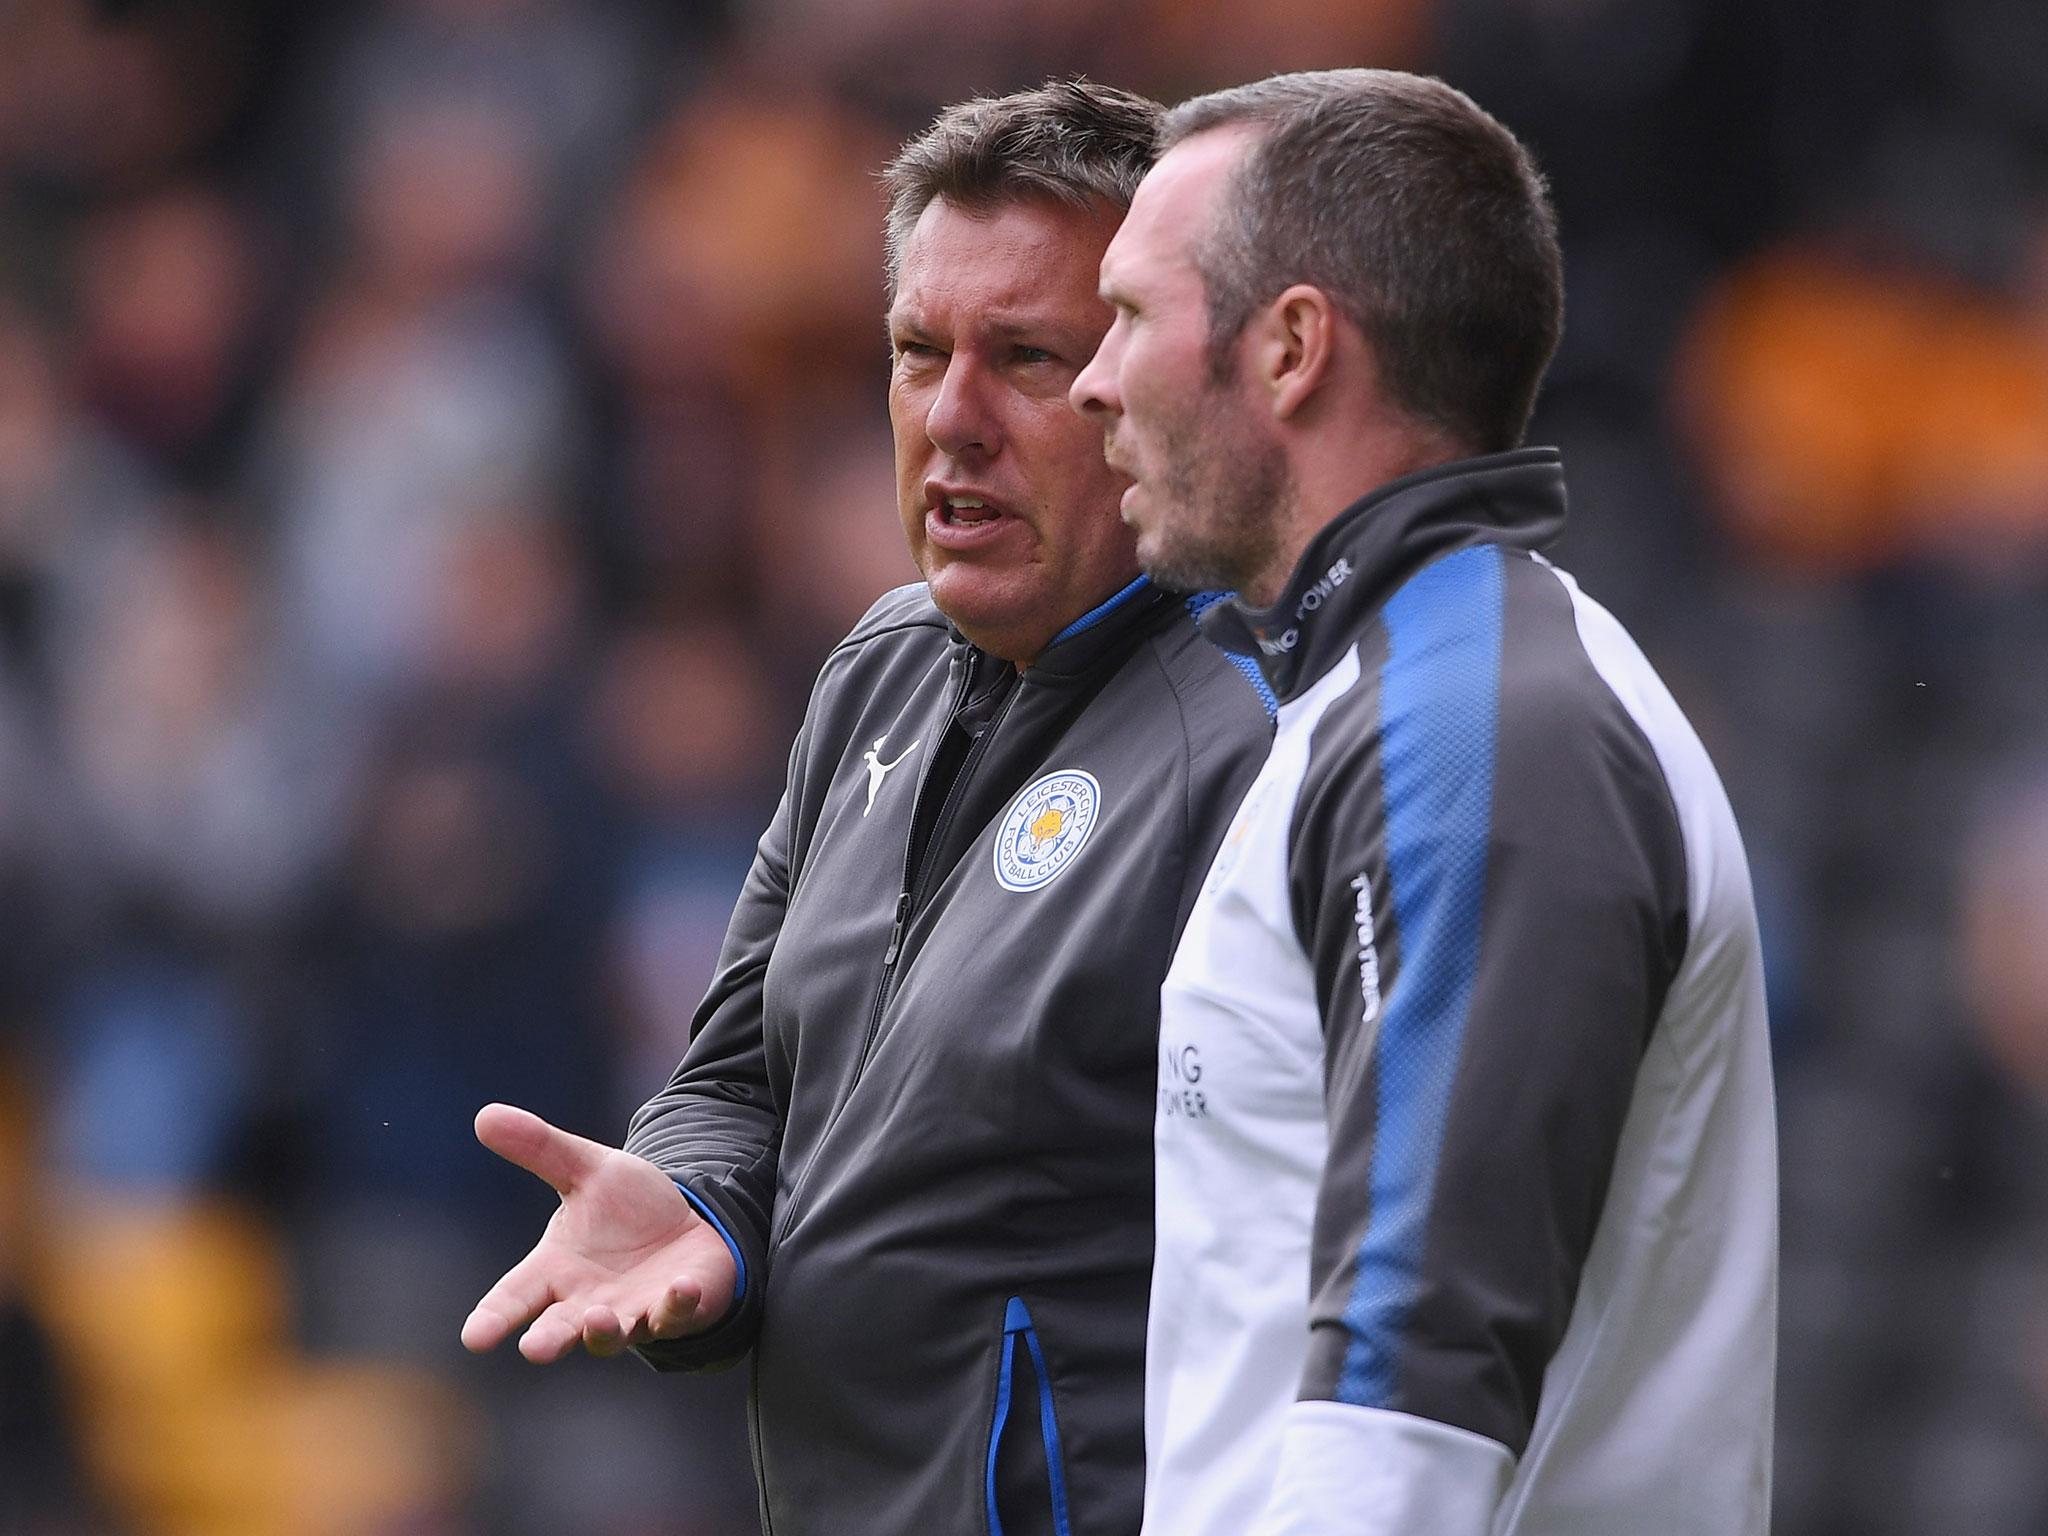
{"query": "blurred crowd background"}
(439, 439)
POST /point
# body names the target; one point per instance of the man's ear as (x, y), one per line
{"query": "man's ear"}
(1295, 347)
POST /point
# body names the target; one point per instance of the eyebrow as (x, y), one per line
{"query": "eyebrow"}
(1027, 326)
(1109, 281)
(1006, 329)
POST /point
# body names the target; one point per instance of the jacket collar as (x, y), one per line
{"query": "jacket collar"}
(1105, 632)
(1363, 555)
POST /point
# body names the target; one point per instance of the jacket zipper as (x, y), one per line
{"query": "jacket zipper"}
(914, 873)
(912, 896)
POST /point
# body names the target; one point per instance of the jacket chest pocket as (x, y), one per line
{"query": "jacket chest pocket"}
(1025, 1484)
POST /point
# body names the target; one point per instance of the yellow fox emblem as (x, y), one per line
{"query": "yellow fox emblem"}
(1050, 821)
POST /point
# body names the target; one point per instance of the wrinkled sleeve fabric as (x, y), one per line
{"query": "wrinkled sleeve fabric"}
(716, 1129)
(1487, 873)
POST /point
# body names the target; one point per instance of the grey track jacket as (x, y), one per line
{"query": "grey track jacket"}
(918, 1098)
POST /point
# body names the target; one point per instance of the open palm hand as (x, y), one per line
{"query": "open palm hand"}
(625, 1259)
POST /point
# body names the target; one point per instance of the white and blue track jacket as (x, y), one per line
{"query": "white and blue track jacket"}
(1467, 1201)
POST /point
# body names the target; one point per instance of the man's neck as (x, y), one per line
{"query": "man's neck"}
(1330, 474)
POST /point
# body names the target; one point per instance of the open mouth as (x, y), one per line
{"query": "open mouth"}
(964, 522)
(965, 512)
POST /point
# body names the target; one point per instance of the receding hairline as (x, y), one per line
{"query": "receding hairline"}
(1071, 143)
(1417, 211)
(1262, 110)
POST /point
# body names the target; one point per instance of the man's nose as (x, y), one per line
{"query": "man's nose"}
(962, 419)
(1093, 392)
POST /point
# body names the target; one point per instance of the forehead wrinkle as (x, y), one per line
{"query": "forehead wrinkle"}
(1021, 271)
(995, 245)
(1008, 315)
(996, 282)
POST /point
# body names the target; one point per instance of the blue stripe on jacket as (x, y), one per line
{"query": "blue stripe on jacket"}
(1100, 611)
(1200, 603)
(1439, 704)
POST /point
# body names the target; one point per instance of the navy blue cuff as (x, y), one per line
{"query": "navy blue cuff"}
(739, 1262)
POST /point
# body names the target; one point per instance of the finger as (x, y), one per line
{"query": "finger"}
(552, 1336)
(518, 1298)
(522, 1137)
(673, 1315)
(485, 1329)
(604, 1335)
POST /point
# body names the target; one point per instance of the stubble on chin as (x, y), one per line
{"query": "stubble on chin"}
(1223, 510)
(1178, 561)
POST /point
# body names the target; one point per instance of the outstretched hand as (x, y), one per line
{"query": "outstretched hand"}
(625, 1260)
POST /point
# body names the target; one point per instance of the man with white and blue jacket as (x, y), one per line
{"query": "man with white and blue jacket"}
(1467, 1184)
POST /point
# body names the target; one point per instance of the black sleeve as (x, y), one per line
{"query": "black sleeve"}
(717, 1127)
(1488, 875)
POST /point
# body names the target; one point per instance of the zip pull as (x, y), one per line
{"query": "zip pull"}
(896, 934)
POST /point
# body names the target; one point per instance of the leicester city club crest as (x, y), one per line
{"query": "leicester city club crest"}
(1046, 829)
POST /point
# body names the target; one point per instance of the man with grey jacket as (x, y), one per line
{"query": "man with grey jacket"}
(905, 1167)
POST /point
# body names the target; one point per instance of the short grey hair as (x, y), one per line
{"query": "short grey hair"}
(1069, 142)
(1423, 218)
